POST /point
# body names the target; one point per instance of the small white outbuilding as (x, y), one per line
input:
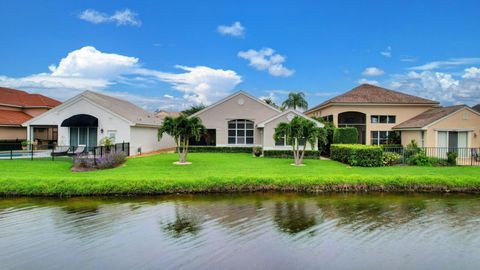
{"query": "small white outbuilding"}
(88, 117)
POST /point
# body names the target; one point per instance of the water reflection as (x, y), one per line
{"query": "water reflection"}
(254, 231)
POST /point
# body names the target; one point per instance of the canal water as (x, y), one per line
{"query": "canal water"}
(243, 231)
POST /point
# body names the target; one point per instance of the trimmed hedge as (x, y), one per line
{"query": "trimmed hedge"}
(310, 154)
(357, 154)
(345, 136)
(214, 149)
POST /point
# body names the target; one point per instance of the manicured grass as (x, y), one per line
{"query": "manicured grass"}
(212, 172)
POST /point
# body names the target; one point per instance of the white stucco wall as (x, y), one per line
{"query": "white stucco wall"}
(146, 138)
(106, 121)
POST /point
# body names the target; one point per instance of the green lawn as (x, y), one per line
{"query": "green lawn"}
(225, 172)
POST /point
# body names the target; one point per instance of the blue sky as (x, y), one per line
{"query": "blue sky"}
(174, 54)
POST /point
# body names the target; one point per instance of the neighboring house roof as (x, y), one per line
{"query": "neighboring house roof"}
(163, 114)
(371, 94)
(292, 111)
(476, 107)
(13, 118)
(428, 117)
(18, 98)
(232, 96)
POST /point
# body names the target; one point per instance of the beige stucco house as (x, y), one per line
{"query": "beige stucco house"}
(243, 120)
(377, 111)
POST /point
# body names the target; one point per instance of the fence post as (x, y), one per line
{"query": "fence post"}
(94, 155)
(101, 151)
(11, 152)
(31, 147)
(53, 151)
(123, 147)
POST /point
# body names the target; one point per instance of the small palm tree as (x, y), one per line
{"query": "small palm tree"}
(295, 100)
(300, 131)
(182, 129)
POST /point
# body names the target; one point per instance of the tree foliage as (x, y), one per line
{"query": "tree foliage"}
(193, 109)
(182, 129)
(295, 100)
(298, 133)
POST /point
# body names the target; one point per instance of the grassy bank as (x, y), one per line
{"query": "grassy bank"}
(216, 172)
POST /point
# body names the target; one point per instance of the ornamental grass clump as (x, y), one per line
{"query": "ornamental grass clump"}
(84, 162)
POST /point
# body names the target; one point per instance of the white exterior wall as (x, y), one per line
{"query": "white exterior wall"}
(106, 121)
(146, 138)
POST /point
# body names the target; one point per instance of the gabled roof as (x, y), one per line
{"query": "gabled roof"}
(429, 117)
(476, 107)
(232, 96)
(13, 118)
(262, 124)
(371, 94)
(122, 108)
(18, 98)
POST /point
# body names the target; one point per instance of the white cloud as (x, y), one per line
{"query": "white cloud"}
(267, 59)
(408, 59)
(120, 17)
(90, 69)
(441, 86)
(372, 72)
(446, 64)
(235, 30)
(367, 81)
(387, 53)
(471, 73)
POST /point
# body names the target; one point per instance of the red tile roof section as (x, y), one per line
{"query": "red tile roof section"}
(13, 118)
(20, 98)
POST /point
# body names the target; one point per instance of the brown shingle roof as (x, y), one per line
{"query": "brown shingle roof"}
(20, 98)
(367, 93)
(13, 118)
(428, 117)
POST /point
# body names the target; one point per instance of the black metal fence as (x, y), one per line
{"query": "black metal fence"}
(17, 150)
(465, 156)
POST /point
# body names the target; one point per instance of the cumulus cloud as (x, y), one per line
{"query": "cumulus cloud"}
(445, 87)
(120, 17)
(235, 30)
(372, 72)
(367, 81)
(266, 59)
(90, 69)
(387, 52)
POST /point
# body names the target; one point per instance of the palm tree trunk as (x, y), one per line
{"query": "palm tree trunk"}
(303, 154)
(178, 142)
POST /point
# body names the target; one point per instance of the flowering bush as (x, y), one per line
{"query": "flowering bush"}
(109, 160)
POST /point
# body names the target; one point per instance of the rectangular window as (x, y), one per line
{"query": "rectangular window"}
(383, 119)
(280, 142)
(240, 131)
(379, 137)
(112, 134)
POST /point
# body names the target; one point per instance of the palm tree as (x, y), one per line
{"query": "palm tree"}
(295, 100)
(297, 134)
(182, 129)
(193, 109)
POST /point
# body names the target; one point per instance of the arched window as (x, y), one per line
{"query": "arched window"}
(240, 131)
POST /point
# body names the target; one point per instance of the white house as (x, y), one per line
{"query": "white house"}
(88, 117)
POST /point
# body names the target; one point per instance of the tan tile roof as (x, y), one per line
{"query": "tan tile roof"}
(428, 117)
(20, 98)
(367, 93)
(124, 108)
(13, 118)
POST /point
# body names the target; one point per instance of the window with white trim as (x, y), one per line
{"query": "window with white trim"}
(240, 131)
(281, 142)
(383, 119)
(379, 137)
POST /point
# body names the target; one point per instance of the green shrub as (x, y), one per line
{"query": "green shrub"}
(391, 158)
(311, 154)
(391, 146)
(452, 158)
(357, 154)
(419, 159)
(214, 149)
(345, 136)
(412, 149)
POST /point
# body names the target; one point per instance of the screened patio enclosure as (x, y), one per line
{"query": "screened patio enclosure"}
(83, 129)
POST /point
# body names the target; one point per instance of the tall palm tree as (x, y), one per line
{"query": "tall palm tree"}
(298, 133)
(182, 129)
(295, 100)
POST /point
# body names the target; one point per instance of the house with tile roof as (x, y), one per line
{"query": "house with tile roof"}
(377, 112)
(17, 107)
(90, 116)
